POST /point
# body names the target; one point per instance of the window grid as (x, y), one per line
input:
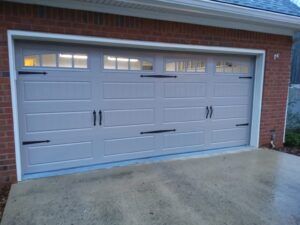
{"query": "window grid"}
(113, 62)
(185, 65)
(57, 60)
(229, 67)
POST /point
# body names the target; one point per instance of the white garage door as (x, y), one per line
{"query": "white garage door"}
(81, 106)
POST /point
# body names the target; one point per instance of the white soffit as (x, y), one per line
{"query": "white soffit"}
(202, 12)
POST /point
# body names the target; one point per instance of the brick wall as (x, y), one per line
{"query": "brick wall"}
(55, 20)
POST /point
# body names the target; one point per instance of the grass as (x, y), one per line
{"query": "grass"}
(292, 142)
(292, 138)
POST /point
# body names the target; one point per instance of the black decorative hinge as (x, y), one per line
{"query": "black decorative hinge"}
(159, 76)
(31, 72)
(242, 125)
(35, 142)
(245, 77)
(157, 131)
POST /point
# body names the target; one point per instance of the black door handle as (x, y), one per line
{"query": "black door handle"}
(100, 117)
(207, 112)
(211, 111)
(94, 115)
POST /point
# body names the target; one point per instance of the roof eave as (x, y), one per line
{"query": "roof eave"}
(203, 12)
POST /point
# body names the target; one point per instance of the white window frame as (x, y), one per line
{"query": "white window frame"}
(40, 36)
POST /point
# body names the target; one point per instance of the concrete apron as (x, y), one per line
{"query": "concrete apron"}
(255, 187)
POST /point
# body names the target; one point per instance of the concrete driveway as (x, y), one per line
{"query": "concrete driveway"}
(255, 187)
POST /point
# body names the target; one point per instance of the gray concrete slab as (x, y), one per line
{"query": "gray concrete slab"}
(256, 187)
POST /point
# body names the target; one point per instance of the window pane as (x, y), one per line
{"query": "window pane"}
(65, 60)
(200, 67)
(228, 67)
(135, 64)
(146, 65)
(49, 60)
(191, 66)
(80, 61)
(236, 69)
(32, 60)
(122, 63)
(180, 66)
(110, 62)
(219, 67)
(244, 69)
(170, 66)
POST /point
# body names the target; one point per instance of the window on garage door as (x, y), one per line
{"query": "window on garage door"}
(55, 60)
(231, 67)
(185, 65)
(125, 62)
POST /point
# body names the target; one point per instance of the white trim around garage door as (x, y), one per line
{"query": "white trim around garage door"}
(27, 35)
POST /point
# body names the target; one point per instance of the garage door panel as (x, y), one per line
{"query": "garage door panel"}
(185, 126)
(229, 135)
(61, 136)
(234, 79)
(128, 145)
(228, 123)
(225, 101)
(57, 106)
(62, 90)
(229, 144)
(184, 139)
(59, 153)
(184, 114)
(184, 102)
(231, 90)
(42, 122)
(128, 117)
(128, 90)
(232, 111)
(127, 104)
(123, 131)
(185, 90)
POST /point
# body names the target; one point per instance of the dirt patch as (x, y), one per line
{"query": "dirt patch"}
(290, 150)
(3, 198)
